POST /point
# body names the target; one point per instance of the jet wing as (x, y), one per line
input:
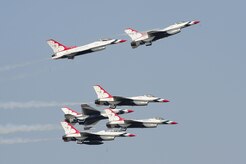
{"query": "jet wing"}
(89, 123)
(119, 98)
(133, 122)
(156, 33)
(90, 136)
(88, 110)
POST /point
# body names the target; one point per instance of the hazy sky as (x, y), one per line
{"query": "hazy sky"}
(201, 71)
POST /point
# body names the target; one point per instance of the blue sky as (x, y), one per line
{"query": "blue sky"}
(201, 71)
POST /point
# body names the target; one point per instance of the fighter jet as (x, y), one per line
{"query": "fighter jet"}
(115, 121)
(90, 138)
(89, 115)
(147, 37)
(61, 51)
(104, 98)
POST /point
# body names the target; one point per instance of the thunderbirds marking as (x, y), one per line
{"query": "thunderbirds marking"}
(104, 98)
(61, 51)
(90, 138)
(141, 38)
(89, 115)
(115, 121)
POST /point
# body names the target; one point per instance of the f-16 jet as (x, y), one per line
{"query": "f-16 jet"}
(104, 98)
(61, 51)
(147, 37)
(90, 138)
(115, 121)
(89, 116)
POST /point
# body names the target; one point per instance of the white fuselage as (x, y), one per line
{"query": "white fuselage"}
(92, 47)
(101, 136)
(87, 120)
(170, 30)
(148, 37)
(146, 98)
(145, 123)
(129, 101)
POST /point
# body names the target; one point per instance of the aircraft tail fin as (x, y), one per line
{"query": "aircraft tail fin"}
(101, 93)
(56, 46)
(112, 116)
(134, 34)
(68, 128)
(69, 111)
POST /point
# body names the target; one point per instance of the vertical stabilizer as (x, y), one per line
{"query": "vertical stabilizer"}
(112, 116)
(101, 93)
(56, 46)
(68, 128)
(67, 110)
(134, 34)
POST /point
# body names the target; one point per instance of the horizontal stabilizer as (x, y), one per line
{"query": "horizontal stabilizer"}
(88, 110)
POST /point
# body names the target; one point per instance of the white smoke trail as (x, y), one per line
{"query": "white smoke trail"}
(11, 128)
(34, 104)
(11, 67)
(23, 140)
(20, 65)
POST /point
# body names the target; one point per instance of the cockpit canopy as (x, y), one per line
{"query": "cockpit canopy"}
(105, 39)
(180, 22)
(149, 95)
(113, 130)
(159, 118)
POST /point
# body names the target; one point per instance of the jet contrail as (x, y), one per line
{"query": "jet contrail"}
(35, 104)
(11, 128)
(23, 140)
(20, 65)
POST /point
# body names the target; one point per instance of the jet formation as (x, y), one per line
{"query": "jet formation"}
(116, 125)
(89, 117)
(138, 38)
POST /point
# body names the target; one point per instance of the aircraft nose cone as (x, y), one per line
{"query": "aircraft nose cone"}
(173, 123)
(196, 22)
(131, 135)
(165, 101)
(130, 110)
(122, 41)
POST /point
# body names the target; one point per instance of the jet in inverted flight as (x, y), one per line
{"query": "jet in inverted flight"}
(115, 121)
(104, 98)
(89, 116)
(61, 51)
(147, 37)
(90, 138)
